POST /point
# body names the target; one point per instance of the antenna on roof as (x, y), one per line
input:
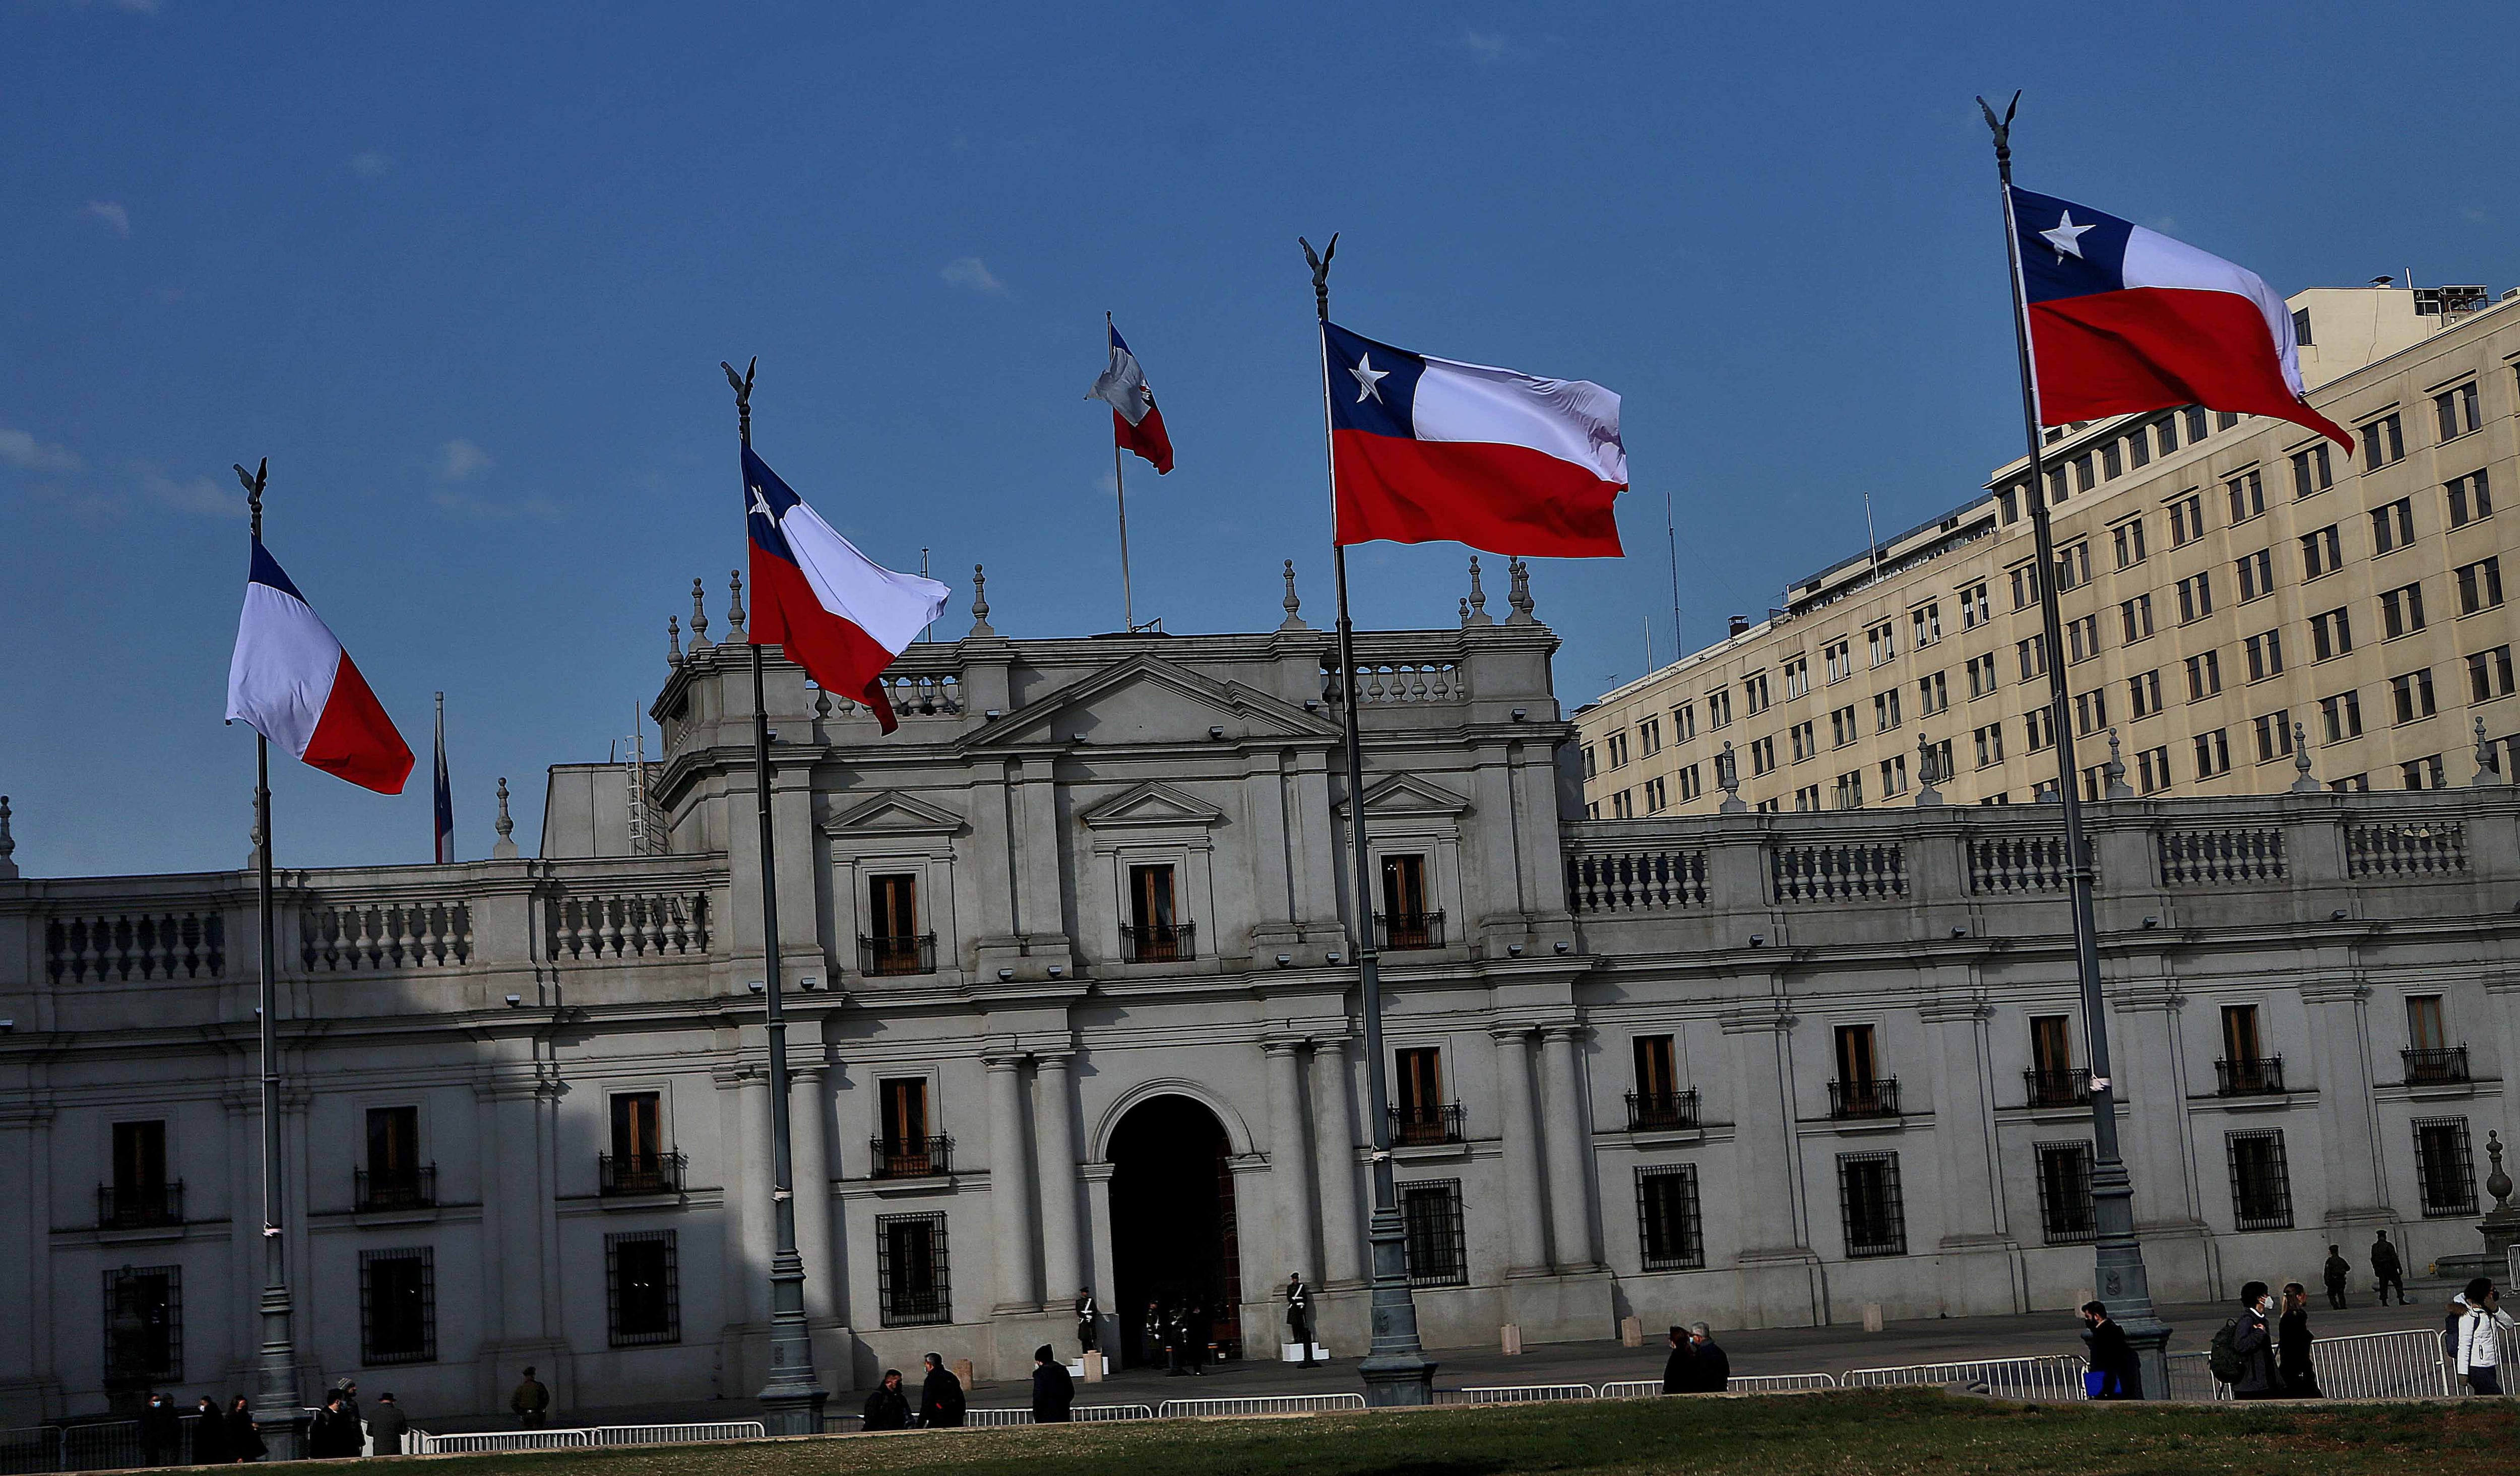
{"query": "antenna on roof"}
(1869, 537)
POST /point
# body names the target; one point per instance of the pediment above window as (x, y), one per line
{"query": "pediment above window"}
(892, 813)
(1152, 805)
(1407, 794)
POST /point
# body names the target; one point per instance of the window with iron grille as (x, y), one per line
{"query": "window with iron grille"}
(397, 1307)
(1432, 1212)
(2065, 1214)
(2445, 1172)
(1668, 1228)
(643, 1289)
(911, 1286)
(143, 1325)
(1868, 1202)
(2260, 1184)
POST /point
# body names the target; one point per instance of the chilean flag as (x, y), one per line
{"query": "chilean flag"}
(1424, 449)
(2123, 320)
(1136, 424)
(291, 682)
(837, 614)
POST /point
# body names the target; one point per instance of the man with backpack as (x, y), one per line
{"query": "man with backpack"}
(2242, 1353)
(2386, 1272)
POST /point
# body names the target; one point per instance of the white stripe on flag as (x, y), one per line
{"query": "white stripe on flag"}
(2154, 260)
(890, 607)
(1572, 419)
(282, 673)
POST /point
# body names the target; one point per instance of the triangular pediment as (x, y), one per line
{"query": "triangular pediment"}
(1150, 804)
(1407, 794)
(892, 813)
(1147, 700)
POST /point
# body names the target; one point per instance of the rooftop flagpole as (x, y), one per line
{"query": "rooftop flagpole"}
(792, 1402)
(1396, 1369)
(2120, 1281)
(1120, 490)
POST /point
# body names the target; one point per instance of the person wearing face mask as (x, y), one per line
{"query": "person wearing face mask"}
(2115, 1373)
(2254, 1339)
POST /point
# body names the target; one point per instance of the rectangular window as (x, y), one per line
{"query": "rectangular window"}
(1431, 1216)
(2311, 473)
(1870, 1206)
(1754, 692)
(2033, 656)
(905, 1147)
(2274, 735)
(2257, 572)
(2140, 448)
(2225, 419)
(1407, 920)
(2112, 463)
(2084, 480)
(2195, 597)
(2073, 567)
(1842, 728)
(1667, 1219)
(2469, 499)
(2213, 755)
(2082, 639)
(1849, 792)
(2204, 675)
(2445, 1169)
(2261, 1185)
(1658, 1064)
(1797, 677)
(1925, 626)
(1885, 710)
(2480, 586)
(643, 1289)
(2384, 443)
(2144, 693)
(1591, 762)
(1763, 754)
(1932, 695)
(2025, 586)
(1719, 707)
(2265, 652)
(2165, 434)
(2195, 417)
(1657, 796)
(392, 1178)
(397, 1307)
(2038, 729)
(1990, 744)
(1841, 660)
(2454, 411)
(2301, 328)
(2127, 538)
(1617, 744)
(2331, 635)
(1893, 776)
(2186, 519)
(1883, 641)
(2322, 553)
(144, 1326)
(140, 1195)
(2401, 611)
(2340, 717)
(1623, 805)
(2489, 674)
(637, 1132)
(2135, 618)
(1650, 737)
(2065, 1213)
(1419, 1078)
(2090, 712)
(2425, 1030)
(1974, 610)
(1690, 785)
(913, 1287)
(2241, 1042)
(1981, 676)
(2152, 770)
(2412, 695)
(1807, 800)
(2052, 1047)
(893, 942)
(1684, 722)
(2424, 773)
(1158, 933)
(2248, 495)
(2393, 526)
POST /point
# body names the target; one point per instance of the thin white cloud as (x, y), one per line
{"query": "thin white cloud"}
(972, 274)
(1487, 46)
(460, 459)
(112, 213)
(20, 449)
(367, 163)
(533, 506)
(198, 495)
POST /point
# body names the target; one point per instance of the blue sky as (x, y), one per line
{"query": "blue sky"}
(465, 274)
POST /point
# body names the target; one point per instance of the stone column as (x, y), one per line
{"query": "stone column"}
(1570, 1160)
(1064, 1269)
(1010, 1191)
(2151, 1085)
(1335, 1152)
(1527, 1232)
(1979, 1273)
(1779, 1280)
(809, 1108)
(28, 1390)
(1291, 1175)
(2349, 1128)
(753, 1095)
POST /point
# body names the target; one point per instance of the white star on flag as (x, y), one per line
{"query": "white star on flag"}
(761, 505)
(2066, 239)
(1369, 380)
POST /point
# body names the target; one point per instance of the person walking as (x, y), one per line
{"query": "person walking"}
(887, 1407)
(1714, 1368)
(531, 1402)
(1054, 1389)
(2112, 1356)
(2479, 1346)
(2337, 1271)
(209, 1434)
(1679, 1366)
(245, 1438)
(2253, 1339)
(2386, 1272)
(1299, 1316)
(331, 1433)
(161, 1431)
(388, 1425)
(940, 1398)
(2292, 1345)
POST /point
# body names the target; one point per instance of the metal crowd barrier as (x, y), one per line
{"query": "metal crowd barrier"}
(426, 1444)
(676, 1435)
(2381, 1365)
(2043, 1376)
(35, 1448)
(2192, 1377)
(1077, 1415)
(1739, 1383)
(1515, 1394)
(1279, 1404)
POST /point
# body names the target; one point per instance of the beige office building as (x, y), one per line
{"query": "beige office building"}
(2228, 582)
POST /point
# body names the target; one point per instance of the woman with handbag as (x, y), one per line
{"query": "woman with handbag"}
(2114, 1372)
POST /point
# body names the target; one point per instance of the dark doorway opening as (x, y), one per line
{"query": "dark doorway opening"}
(1172, 1223)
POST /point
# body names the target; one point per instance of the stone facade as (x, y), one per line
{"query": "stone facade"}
(1089, 899)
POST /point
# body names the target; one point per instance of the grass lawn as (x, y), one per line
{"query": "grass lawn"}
(1850, 1434)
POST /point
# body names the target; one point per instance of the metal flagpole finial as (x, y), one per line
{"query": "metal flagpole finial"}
(742, 387)
(254, 483)
(1321, 261)
(2003, 126)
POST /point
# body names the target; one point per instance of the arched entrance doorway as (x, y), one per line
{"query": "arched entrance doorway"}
(1172, 1221)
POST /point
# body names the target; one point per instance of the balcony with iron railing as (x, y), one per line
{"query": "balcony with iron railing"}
(1404, 931)
(1160, 943)
(1661, 1111)
(2258, 1076)
(889, 956)
(2058, 1087)
(139, 1206)
(2435, 1065)
(409, 1188)
(911, 1158)
(1878, 1097)
(621, 1174)
(1426, 1126)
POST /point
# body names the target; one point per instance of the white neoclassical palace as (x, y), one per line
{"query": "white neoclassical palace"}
(1073, 1008)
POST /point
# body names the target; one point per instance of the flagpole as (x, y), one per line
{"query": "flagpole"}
(792, 1402)
(2120, 1279)
(441, 842)
(1396, 1369)
(1120, 488)
(277, 1412)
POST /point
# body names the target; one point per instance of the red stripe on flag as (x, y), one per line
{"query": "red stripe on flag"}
(1147, 438)
(835, 652)
(1500, 499)
(2157, 348)
(354, 740)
